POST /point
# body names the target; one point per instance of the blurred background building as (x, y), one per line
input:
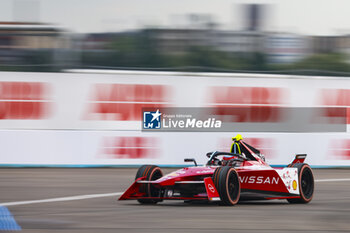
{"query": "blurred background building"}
(287, 48)
(31, 44)
(195, 42)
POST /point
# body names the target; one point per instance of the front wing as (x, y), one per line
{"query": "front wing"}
(211, 194)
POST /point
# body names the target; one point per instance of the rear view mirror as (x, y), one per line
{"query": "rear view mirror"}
(191, 160)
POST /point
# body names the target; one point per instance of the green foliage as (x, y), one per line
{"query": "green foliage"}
(33, 61)
(142, 51)
(328, 62)
(318, 64)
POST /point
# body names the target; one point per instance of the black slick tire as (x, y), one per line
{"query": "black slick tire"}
(151, 172)
(227, 183)
(306, 184)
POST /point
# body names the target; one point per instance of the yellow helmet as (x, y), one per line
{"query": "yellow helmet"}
(237, 138)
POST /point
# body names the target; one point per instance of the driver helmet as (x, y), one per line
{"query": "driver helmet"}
(235, 147)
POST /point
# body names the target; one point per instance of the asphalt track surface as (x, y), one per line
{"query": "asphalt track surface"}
(329, 211)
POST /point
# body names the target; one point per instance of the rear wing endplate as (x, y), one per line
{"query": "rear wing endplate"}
(299, 158)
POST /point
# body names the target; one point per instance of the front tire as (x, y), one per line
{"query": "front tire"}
(227, 183)
(306, 184)
(151, 172)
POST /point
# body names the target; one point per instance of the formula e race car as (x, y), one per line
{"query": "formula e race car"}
(228, 177)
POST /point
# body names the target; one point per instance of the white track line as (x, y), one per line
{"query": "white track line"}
(332, 180)
(89, 196)
(71, 198)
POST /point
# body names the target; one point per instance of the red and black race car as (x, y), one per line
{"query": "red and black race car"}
(228, 177)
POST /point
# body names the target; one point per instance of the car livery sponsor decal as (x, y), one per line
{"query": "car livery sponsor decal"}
(211, 188)
(289, 177)
(204, 171)
(259, 180)
(173, 174)
(294, 185)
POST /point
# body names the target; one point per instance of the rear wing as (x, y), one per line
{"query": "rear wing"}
(299, 158)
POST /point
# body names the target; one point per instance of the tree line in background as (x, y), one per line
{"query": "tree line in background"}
(141, 52)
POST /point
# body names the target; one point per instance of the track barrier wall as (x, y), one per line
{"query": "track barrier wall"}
(93, 118)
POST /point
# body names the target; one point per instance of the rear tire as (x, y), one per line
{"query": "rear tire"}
(306, 184)
(151, 172)
(227, 183)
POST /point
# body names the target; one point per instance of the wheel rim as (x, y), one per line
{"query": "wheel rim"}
(307, 183)
(233, 188)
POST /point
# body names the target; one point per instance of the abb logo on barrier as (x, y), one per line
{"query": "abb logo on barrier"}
(124, 102)
(336, 98)
(340, 149)
(247, 104)
(265, 145)
(130, 148)
(24, 100)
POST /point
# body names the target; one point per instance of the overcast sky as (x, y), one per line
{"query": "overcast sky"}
(318, 17)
